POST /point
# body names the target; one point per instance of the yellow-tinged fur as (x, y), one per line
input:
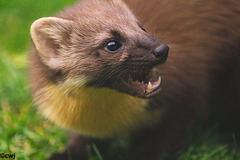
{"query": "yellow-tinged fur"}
(91, 111)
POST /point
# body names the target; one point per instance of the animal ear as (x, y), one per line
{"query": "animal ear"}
(49, 36)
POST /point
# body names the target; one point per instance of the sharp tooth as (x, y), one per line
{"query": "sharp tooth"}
(159, 80)
(149, 86)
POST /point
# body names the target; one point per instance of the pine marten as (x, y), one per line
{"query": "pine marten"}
(100, 70)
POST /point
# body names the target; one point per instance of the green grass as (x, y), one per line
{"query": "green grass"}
(207, 143)
(16, 16)
(22, 130)
(28, 135)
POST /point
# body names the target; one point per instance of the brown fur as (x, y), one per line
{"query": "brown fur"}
(202, 70)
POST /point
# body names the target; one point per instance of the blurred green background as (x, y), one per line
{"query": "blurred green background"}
(22, 130)
(28, 135)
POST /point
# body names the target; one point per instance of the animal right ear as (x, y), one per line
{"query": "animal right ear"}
(49, 36)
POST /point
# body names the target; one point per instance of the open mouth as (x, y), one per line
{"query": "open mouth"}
(144, 84)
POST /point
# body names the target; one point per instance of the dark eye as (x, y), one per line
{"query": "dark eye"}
(113, 46)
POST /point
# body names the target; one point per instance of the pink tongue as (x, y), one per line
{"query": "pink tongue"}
(155, 85)
(152, 85)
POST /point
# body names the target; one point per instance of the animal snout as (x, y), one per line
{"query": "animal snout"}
(161, 52)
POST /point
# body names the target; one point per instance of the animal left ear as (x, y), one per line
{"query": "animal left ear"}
(50, 35)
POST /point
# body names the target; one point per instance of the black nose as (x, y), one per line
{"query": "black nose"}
(161, 51)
